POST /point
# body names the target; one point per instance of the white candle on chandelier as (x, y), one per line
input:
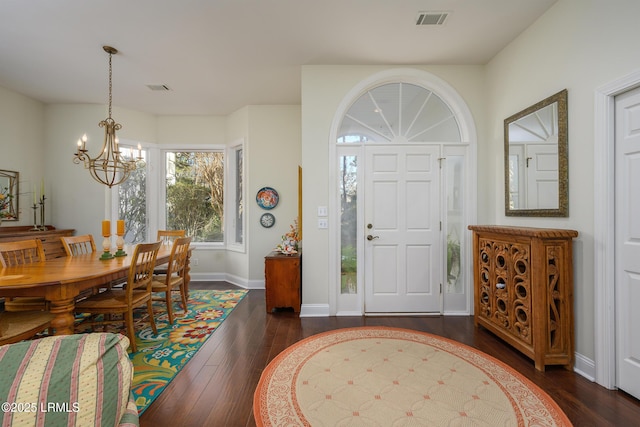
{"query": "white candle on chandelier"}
(139, 151)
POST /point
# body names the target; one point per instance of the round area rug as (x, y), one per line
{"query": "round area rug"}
(379, 376)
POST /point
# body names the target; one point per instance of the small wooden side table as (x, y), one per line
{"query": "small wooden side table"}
(282, 281)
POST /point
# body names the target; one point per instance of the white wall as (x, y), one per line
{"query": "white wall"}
(579, 46)
(274, 156)
(22, 147)
(323, 89)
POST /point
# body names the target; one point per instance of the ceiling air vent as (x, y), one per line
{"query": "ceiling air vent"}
(431, 18)
(159, 87)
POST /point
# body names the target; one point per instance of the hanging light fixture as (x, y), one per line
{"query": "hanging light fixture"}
(109, 167)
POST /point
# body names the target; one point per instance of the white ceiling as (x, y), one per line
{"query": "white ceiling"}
(217, 56)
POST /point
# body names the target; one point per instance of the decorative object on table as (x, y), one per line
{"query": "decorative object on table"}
(109, 167)
(120, 239)
(267, 220)
(267, 198)
(396, 376)
(9, 195)
(38, 203)
(35, 217)
(290, 241)
(106, 242)
(41, 202)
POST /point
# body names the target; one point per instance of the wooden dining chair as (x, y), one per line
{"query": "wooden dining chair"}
(78, 245)
(174, 279)
(167, 237)
(22, 325)
(136, 293)
(23, 252)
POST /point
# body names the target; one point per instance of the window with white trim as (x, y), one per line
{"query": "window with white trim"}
(194, 193)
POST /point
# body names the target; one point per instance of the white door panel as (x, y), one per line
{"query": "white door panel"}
(402, 206)
(627, 283)
(542, 176)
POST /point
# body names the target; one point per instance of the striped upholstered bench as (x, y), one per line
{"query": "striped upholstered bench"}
(72, 380)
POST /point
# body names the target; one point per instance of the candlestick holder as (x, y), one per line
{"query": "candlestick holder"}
(120, 245)
(106, 247)
(42, 226)
(35, 221)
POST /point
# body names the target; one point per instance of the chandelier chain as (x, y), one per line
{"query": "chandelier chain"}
(110, 84)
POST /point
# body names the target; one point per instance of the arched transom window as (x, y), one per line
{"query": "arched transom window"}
(399, 113)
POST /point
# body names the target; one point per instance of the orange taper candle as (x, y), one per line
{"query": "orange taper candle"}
(106, 228)
(120, 227)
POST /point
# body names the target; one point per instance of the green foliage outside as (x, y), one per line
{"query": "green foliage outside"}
(133, 206)
(195, 195)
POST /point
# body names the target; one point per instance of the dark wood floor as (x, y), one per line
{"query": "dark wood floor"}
(216, 387)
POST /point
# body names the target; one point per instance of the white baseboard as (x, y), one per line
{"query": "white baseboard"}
(585, 367)
(349, 313)
(314, 310)
(224, 277)
(208, 277)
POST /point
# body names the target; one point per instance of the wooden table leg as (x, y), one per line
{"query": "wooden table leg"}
(64, 320)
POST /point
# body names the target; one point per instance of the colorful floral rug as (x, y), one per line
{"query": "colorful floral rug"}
(160, 357)
(377, 376)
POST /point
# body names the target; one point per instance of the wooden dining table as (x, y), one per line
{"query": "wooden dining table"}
(61, 280)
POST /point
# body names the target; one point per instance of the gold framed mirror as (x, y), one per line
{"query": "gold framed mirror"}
(9, 209)
(536, 164)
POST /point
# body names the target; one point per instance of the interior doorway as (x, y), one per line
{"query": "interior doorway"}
(627, 235)
(606, 364)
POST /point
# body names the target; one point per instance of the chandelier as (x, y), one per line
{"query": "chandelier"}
(110, 167)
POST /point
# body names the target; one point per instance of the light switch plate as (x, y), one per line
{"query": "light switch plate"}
(322, 211)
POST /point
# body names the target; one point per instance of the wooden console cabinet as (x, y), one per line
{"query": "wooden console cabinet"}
(282, 281)
(50, 238)
(524, 289)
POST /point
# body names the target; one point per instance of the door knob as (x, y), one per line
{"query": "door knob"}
(370, 237)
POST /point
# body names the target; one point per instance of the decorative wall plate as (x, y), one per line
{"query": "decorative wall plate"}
(267, 198)
(267, 220)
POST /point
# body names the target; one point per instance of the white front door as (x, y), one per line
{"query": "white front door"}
(403, 250)
(627, 280)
